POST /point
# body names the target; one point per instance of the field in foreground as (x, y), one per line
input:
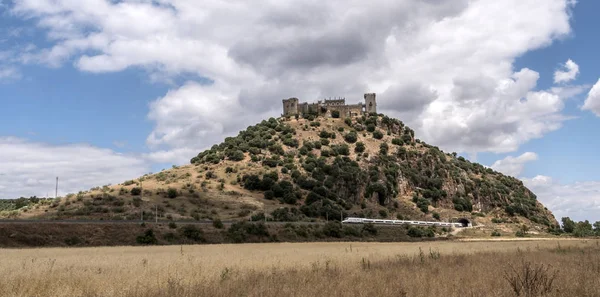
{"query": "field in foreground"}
(553, 268)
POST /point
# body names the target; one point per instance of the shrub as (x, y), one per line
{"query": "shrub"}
(193, 233)
(251, 182)
(335, 114)
(351, 137)
(383, 148)
(332, 229)
(420, 232)
(496, 233)
(360, 147)
(73, 240)
(258, 217)
(239, 232)
(236, 155)
(462, 204)
(172, 225)
(147, 238)
(369, 228)
(136, 191)
(377, 134)
(351, 231)
(397, 141)
(383, 213)
(172, 193)
(371, 127)
(269, 195)
(348, 121)
(217, 224)
(436, 216)
(531, 279)
(128, 183)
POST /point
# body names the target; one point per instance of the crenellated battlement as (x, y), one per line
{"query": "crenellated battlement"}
(292, 106)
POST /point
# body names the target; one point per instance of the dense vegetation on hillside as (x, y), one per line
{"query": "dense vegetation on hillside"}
(329, 176)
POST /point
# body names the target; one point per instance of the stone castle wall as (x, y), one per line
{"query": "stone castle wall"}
(292, 107)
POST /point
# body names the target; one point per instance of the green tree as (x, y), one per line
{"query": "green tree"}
(383, 148)
(136, 191)
(583, 229)
(568, 225)
(377, 134)
(351, 137)
(360, 147)
(597, 228)
(147, 238)
(172, 193)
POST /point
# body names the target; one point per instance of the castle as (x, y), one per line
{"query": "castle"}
(292, 107)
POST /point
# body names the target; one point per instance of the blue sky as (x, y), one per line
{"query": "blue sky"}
(97, 92)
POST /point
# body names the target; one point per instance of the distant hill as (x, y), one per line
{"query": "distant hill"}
(314, 168)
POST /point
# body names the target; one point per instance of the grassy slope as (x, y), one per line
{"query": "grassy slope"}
(206, 190)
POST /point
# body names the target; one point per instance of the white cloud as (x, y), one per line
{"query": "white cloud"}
(30, 168)
(8, 73)
(514, 166)
(443, 67)
(580, 200)
(592, 103)
(572, 70)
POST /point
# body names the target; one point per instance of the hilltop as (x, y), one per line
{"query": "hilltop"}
(313, 168)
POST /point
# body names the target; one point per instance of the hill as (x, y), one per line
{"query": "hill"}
(313, 168)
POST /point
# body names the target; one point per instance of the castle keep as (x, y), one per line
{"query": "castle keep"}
(292, 107)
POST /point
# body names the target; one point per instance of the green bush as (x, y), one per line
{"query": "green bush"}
(217, 224)
(371, 127)
(136, 191)
(369, 229)
(332, 229)
(335, 114)
(193, 233)
(377, 134)
(397, 141)
(351, 137)
(269, 195)
(383, 149)
(496, 233)
(147, 238)
(383, 213)
(172, 225)
(172, 193)
(462, 204)
(436, 216)
(360, 147)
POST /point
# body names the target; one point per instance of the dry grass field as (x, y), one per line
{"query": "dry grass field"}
(545, 268)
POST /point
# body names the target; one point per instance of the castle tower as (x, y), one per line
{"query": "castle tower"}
(370, 103)
(290, 106)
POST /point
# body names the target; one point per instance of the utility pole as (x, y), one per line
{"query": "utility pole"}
(142, 200)
(56, 192)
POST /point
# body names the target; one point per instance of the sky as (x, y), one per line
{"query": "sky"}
(98, 91)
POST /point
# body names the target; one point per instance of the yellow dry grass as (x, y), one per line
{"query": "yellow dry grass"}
(298, 269)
